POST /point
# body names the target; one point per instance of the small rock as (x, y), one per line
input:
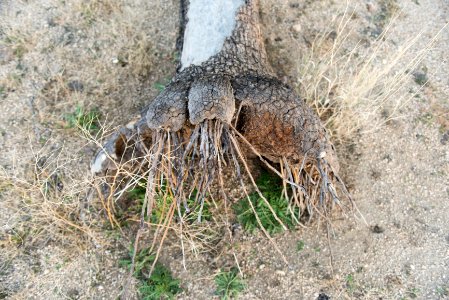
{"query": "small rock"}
(420, 78)
(371, 7)
(297, 28)
(294, 5)
(280, 273)
(75, 86)
(262, 266)
(323, 296)
(445, 138)
(115, 60)
(377, 229)
(51, 22)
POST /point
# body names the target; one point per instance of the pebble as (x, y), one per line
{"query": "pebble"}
(297, 28)
(75, 86)
(370, 7)
(280, 273)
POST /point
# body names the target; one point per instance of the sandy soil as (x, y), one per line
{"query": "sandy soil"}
(57, 55)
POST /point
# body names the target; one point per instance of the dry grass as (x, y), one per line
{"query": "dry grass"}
(354, 87)
(352, 91)
(51, 196)
(107, 46)
(348, 91)
(51, 202)
(19, 42)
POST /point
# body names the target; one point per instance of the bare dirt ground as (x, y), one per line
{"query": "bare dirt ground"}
(114, 55)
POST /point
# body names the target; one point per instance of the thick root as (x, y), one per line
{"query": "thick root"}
(188, 163)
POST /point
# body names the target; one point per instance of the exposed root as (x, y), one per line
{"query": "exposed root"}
(183, 165)
(185, 168)
(314, 189)
(310, 185)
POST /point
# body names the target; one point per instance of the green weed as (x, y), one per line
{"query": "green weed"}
(137, 194)
(229, 284)
(350, 284)
(160, 284)
(300, 246)
(18, 237)
(85, 120)
(271, 188)
(413, 293)
(426, 118)
(88, 15)
(143, 260)
(159, 86)
(17, 42)
(442, 291)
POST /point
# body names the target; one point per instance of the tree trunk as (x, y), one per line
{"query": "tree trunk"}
(224, 105)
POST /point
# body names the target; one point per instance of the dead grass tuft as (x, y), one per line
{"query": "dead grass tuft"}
(50, 203)
(18, 41)
(351, 88)
(139, 55)
(94, 10)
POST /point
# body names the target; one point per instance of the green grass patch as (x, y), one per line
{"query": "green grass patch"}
(426, 118)
(82, 119)
(229, 284)
(17, 42)
(160, 284)
(271, 188)
(160, 85)
(350, 283)
(300, 246)
(413, 293)
(143, 261)
(442, 291)
(137, 196)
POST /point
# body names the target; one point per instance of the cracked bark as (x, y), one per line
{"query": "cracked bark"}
(234, 95)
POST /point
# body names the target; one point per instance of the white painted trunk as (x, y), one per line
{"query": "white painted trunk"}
(210, 22)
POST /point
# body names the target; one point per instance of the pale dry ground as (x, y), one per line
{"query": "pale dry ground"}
(398, 173)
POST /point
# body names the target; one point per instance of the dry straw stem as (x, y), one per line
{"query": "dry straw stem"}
(19, 42)
(50, 203)
(131, 170)
(349, 91)
(177, 165)
(111, 55)
(357, 89)
(54, 197)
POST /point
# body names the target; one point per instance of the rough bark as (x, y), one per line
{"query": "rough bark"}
(230, 103)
